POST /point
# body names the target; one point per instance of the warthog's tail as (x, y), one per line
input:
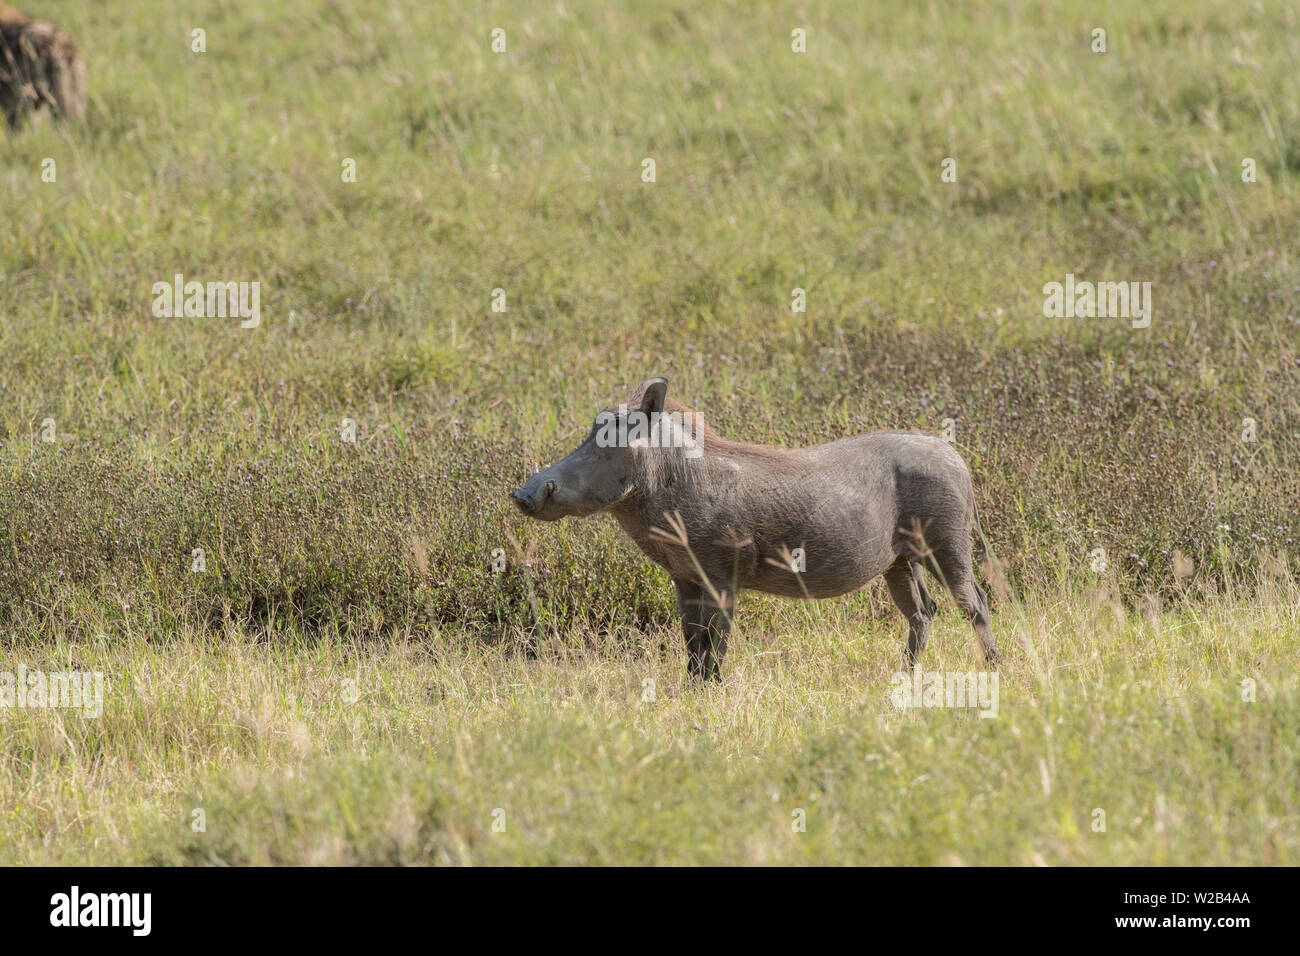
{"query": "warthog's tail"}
(985, 554)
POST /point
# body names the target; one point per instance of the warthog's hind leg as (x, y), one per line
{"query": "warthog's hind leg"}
(953, 567)
(909, 594)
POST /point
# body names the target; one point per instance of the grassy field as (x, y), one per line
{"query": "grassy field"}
(349, 679)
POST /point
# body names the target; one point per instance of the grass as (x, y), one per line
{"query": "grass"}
(299, 751)
(128, 441)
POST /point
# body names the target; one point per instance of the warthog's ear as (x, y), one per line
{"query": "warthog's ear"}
(653, 393)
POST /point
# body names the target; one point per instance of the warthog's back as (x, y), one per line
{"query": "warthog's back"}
(852, 506)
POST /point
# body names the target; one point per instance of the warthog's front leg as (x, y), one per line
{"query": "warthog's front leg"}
(706, 623)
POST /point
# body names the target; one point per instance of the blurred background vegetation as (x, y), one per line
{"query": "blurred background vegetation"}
(521, 171)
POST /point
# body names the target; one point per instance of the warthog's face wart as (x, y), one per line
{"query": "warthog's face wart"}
(596, 476)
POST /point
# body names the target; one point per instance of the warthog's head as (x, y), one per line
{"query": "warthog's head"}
(603, 469)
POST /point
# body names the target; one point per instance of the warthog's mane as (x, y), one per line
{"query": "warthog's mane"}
(666, 466)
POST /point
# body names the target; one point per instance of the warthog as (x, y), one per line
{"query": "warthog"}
(39, 64)
(817, 522)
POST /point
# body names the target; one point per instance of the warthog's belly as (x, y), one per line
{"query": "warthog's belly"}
(818, 565)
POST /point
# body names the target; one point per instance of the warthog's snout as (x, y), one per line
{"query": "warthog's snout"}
(593, 478)
(533, 495)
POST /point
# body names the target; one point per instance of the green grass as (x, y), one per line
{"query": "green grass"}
(522, 171)
(600, 752)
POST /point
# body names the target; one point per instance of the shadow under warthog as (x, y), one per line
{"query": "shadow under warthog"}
(816, 522)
